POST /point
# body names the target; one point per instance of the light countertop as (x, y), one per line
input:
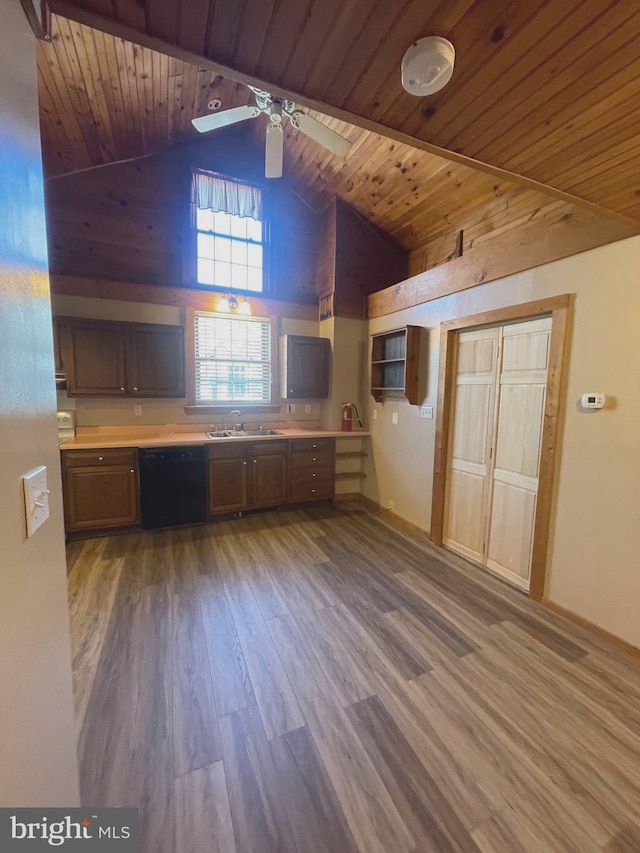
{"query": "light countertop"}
(92, 438)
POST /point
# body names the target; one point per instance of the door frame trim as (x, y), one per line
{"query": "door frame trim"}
(560, 309)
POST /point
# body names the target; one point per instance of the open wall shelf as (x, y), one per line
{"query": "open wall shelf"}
(395, 360)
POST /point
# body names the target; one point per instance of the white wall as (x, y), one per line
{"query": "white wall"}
(37, 749)
(595, 565)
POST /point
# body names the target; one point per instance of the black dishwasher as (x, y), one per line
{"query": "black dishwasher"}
(173, 486)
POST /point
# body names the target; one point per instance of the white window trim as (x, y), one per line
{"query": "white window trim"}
(194, 407)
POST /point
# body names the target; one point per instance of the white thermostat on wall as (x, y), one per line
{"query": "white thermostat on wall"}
(592, 401)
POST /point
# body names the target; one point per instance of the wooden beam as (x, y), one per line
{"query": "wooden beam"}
(542, 245)
(82, 16)
(180, 297)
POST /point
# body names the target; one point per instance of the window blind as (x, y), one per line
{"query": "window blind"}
(232, 359)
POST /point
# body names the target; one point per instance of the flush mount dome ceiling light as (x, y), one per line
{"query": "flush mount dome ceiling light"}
(427, 65)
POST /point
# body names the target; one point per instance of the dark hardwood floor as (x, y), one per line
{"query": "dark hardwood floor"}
(315, 681)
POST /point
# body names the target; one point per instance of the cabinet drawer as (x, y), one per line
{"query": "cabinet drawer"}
(317, 474)
(311, 459)
(306, 445)
(229, 450)
(311, 491)
(267, 448)
(89, 458)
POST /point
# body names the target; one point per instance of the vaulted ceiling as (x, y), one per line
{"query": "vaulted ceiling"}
(105, 99)
(545, 90)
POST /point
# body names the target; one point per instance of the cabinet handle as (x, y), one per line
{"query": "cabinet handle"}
(245, 462)
(133, 470)
(291, 390)
(314, 459)
(122, 387)
(313, 491)
(314, 474)
(314, 446)
(254, 461)
(135, 387)
(100, 458)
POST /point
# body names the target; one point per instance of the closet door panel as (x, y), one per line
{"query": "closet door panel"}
(511, 532)
(468, 470)
(520, 413)
(466, 517)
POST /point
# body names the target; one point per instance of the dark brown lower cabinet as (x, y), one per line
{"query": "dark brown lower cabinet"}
(228, 480)
(268, 474)
(312, 463)
(247, 475)
(100, 489)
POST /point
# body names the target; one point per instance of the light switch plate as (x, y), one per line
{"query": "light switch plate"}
(375, 414)
(307, 408)
(394, 417)
(36, 498)
(291, 407)
(426, 412)
(137, 410)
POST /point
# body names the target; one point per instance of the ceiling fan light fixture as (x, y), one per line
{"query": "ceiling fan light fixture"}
(427, 66)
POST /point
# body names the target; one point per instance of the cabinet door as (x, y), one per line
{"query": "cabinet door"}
(57, 351)
(156, 361)
(268, 478)
(227, 484)
(94, 358)
(305, 372)
(101, 497)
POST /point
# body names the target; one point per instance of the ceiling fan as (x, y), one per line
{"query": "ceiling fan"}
(278, 109)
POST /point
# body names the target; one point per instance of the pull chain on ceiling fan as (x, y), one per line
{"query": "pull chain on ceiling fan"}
(278, 111)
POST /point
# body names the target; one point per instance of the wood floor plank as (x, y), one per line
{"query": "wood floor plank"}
(260, 821)
(203, 816)
(195, 724)
(231, 683)
(411, 701)
(350, 681)
(91, 599)
(276, 700)
(317, 822)
(626, 841)
(372, 817)
(416, 795)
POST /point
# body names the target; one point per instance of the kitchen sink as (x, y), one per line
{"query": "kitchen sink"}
(241, 433)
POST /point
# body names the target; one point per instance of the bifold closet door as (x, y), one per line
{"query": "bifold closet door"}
(520, 414)
(468, 472)
(494, 445)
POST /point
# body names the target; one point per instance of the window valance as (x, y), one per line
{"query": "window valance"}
(210, 191)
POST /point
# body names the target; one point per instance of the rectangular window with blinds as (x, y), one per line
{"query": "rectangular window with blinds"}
(232, 359)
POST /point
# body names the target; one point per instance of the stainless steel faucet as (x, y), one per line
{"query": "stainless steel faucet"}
(233, 412)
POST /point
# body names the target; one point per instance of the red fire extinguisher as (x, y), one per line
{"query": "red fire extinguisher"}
(349, 414)
(347, 417)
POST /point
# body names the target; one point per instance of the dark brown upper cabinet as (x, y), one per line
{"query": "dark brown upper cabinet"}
(112, 359)
(304, 367)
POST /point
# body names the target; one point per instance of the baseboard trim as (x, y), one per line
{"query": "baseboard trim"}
(388, 515)
(610, 638)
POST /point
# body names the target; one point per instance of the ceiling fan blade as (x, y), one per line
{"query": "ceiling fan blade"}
(203, 124)
(321, 133)
(273, 151)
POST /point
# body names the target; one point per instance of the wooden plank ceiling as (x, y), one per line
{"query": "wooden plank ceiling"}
(545, 90)
(104, 99)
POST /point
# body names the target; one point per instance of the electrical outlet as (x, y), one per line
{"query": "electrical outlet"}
(426, 412)
(137, 410)
(394, 417)
(375, 414)
(291, 407)
(390, 505)
(307, 408)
